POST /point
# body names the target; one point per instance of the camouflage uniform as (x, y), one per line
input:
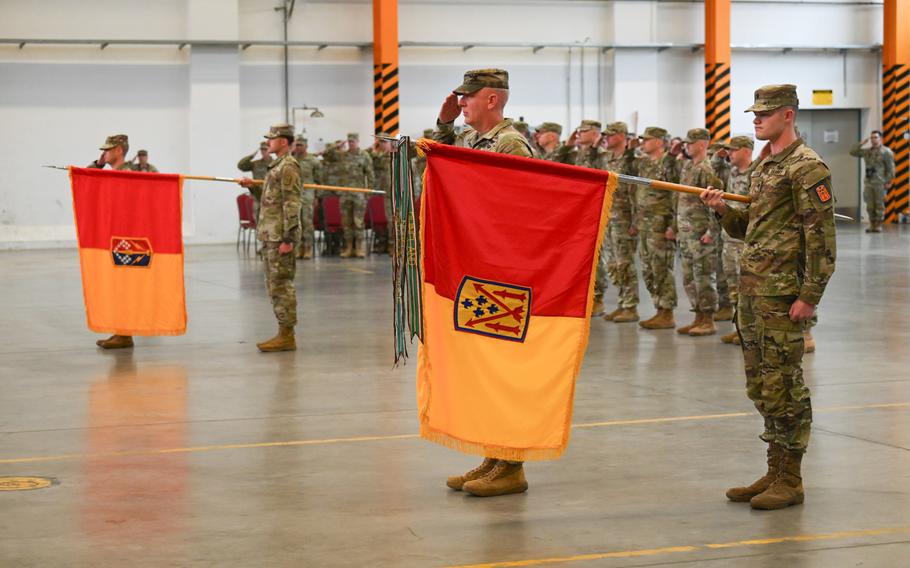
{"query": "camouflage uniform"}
(279, 222)
(620, 263)
(259, 168)
(789, 254)
(553, 155)
(655, 213)
(695, 220)
(310, 172)
(382, 172)
(419, 165)
(355, 170)
(736, 182)
(879, 164)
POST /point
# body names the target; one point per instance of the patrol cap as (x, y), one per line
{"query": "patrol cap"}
(738, 142)
(283, 130)
(655, 132)
(263, 145)
(301, 140)
(480, 78)
(142, 153)
(428, 133)
(550, 127)
(353, 136)
(115, 140)
(589, 124)
(618, 127)
(697, 134)
(772, 97)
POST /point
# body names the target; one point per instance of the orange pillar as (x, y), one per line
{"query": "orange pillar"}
(896, 102)
(717, 68)
(385, 66)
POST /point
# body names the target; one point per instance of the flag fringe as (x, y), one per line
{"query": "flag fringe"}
(488, 451)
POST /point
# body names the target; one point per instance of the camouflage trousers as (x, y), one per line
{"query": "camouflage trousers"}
(730, 257)
(874, 195)
(773, 355)
(353, 208)
(387, 204)
(723, 286)
(658, 256)
(600, 276)
(699, 272)
(279, 281)
(306, 222)
(621, 264)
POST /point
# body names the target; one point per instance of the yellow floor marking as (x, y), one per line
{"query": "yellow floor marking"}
(356, 439)
(694, 548)
(361, 270)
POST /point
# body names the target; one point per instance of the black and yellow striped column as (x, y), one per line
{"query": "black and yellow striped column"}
(896, 103)
(717, 68)
(385, 66)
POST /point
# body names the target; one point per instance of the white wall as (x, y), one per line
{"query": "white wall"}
(198, 110)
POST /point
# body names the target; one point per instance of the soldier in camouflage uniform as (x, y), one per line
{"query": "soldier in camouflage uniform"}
(879, 161)
(143, 165)
(279, 230)
(733, 164)
(259, 167)
(113, 154)
(622, 233)
(546, 136)
(698, 232)
(311, 172)
(787, 261)
(725, 305)
(656, 224)
(382, 173)
(419, 165)
(355, 170)
(481, 99)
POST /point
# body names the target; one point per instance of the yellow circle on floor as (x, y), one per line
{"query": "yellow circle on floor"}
(24, 483)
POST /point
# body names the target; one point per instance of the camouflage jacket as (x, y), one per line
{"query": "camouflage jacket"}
(788, 227)
(279, 210)
(694, 218)
(502, 139)
(879, 162)
(259, 168)
(656, 208)
(552, 156)
(355, 169)
(582, 157)
(310, 172)
(624, 209)
(125, 166)
(736, 181)
(148, 168)
(382, 170)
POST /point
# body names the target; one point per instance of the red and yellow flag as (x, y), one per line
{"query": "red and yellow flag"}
(131, 250)
(510, 248)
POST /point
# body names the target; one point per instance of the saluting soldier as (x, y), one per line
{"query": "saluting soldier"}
(482, 99)
(279, 230)
(355, 169)
(310, 172)
(142, 162)
(787, 261)
(259, 166)
(879, 161)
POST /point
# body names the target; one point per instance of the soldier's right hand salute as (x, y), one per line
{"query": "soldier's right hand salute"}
(450, 109)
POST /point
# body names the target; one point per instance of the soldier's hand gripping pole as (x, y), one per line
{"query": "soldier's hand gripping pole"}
(667, 186)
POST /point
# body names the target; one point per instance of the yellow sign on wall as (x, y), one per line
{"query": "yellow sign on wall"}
(823, 97)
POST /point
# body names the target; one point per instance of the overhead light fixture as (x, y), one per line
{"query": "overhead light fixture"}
(316, 113)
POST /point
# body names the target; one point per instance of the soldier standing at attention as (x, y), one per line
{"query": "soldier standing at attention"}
(547, 139)
(259, 167)
(382, 173)
(279, 230)
(113, 154)
(143, 165)
(621, 231)
(656, 224)
(356, 170)
(879, 176)
(735, 174)
(787, 261)
(310, 172)
(482, 99)
(698, 236)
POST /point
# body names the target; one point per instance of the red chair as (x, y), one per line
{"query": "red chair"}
(331, 223)
(375, 219)
(246, 229)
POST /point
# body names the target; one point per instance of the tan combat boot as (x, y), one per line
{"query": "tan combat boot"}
(115, 342)
(360, 250)
(724, 314)
(743, 494)
(484, 468)
(787, 487)
(503, 479)
(684, 330)
(662, 320)
(284, 341)
(597, 309)
(308, 253)
(706, 327)
(731, 338)
(626, 315)
(808, 342)
(348, 250)
(874, 227)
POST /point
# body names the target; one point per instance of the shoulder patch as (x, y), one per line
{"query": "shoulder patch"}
(823, 193)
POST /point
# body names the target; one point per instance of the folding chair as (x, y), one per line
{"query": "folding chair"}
(331, 217)
(246, 227)
(375, 219)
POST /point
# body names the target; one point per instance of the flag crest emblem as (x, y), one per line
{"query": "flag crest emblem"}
(494, 309)
(130, 251)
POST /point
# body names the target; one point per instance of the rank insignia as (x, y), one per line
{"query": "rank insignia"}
(493, 309)
(823, 194)
(130, 251)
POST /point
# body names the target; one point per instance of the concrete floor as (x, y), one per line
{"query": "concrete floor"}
(200, 451)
